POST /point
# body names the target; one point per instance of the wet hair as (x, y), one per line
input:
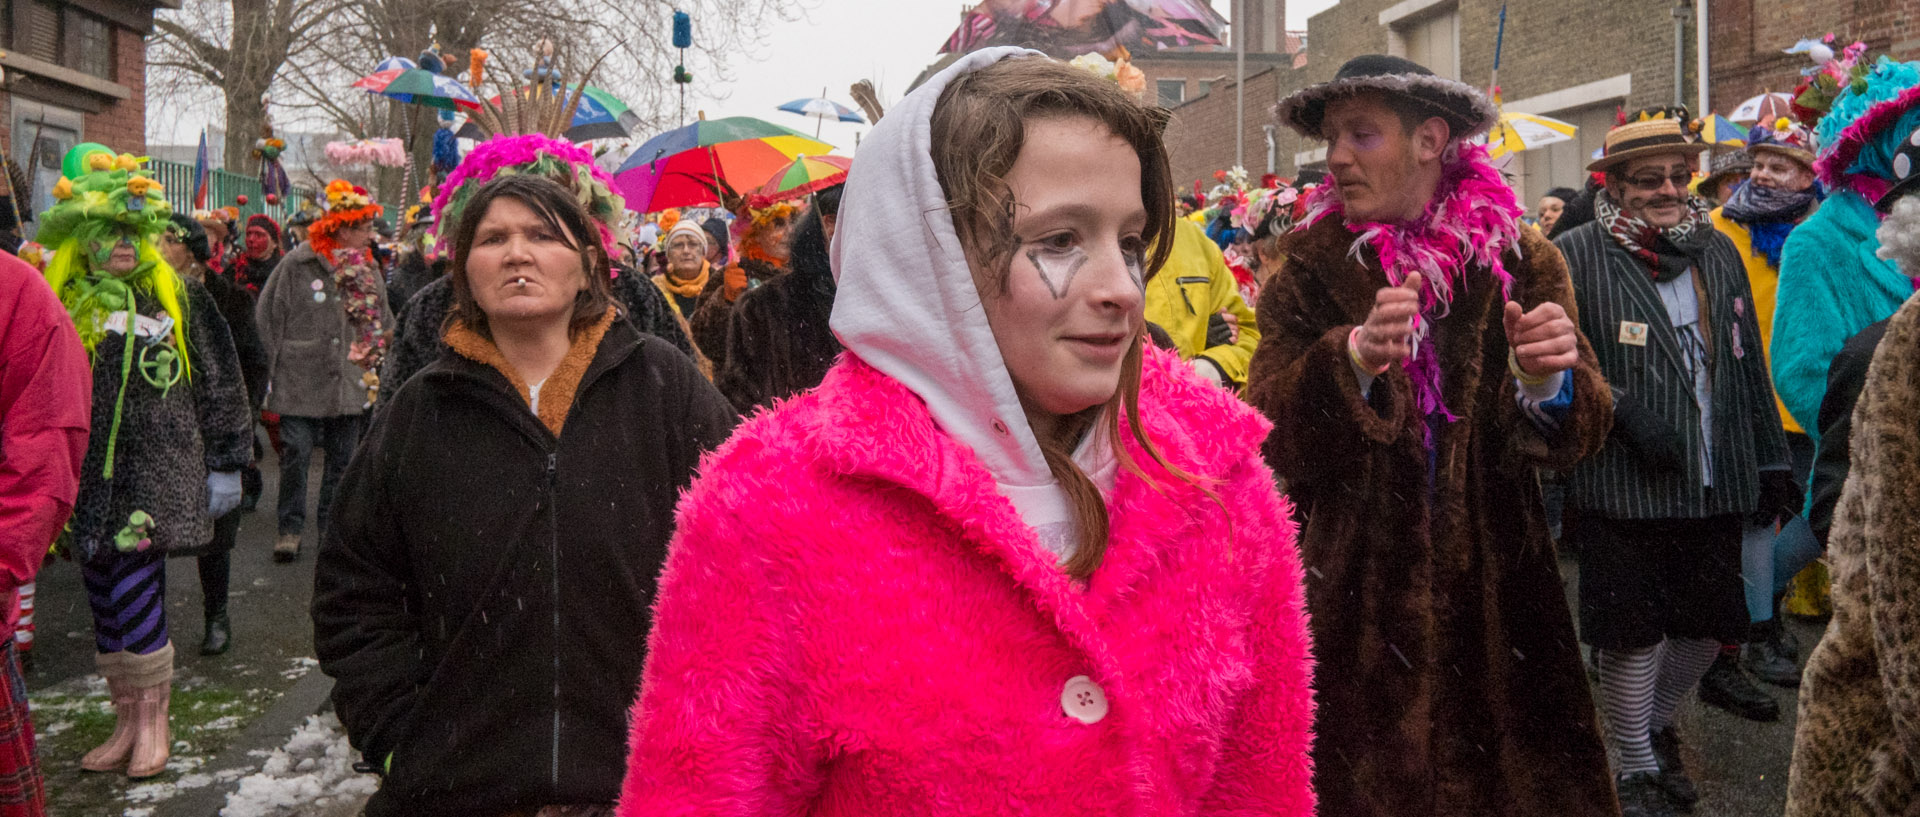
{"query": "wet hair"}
(560, 209)
(978, 128)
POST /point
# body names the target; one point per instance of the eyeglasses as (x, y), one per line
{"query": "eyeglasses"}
(1648, 184)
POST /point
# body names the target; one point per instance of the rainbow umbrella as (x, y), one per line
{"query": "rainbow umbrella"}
(1718, 130)
(601, 115)
(802, 176)
(399, 79)
(1763, 108)
(695, 165)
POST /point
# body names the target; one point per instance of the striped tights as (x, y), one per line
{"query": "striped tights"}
(127, 594)
(1641, 689)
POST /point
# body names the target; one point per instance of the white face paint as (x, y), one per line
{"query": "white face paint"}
(1057, 268)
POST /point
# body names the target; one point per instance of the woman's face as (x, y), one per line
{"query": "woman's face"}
(773, 238)
(114, 255)
(685, 255)
(1072, 300)
(520, 269)
(176, 254)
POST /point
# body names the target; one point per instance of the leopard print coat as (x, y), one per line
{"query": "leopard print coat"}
(1859, 737)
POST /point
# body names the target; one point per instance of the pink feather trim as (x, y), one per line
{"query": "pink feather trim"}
(365, 152)
(1832, 168)
(488, 158)
(1471, 224)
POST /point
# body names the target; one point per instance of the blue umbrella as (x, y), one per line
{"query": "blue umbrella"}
(822, 109)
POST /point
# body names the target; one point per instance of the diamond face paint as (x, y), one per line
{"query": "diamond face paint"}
(1057, 268)
(1137, 269)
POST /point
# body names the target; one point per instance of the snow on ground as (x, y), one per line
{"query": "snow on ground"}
(311, 773)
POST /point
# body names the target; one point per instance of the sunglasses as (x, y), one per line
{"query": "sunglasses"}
(1648, 184)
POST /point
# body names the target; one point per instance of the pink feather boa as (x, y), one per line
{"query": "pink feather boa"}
(490, 157)
(1469, 225)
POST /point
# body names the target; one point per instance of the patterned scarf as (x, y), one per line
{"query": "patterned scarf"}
(1472, 221)
(1667, 253)
(357, 275)
(1769, 214)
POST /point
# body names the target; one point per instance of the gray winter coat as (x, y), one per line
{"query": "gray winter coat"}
(306, 332)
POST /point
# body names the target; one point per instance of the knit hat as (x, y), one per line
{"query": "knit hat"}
(685, 227)
(265, 222)
(716, 229)
(1468, 111)
(193, 235)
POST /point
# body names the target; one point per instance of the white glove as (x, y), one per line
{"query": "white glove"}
(223, 493)
(1210, 370)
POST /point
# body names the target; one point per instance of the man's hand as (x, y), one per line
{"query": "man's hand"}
(1387, 335)
(1543, 341)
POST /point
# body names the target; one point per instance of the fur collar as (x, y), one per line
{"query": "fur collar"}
(556, 395)
(1471, 223)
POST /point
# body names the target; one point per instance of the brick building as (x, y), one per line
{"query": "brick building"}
(75, 71)
(1574, 60)
(1746, 38)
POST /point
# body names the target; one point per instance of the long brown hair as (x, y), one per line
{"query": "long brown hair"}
(563, 214)
(978, 128)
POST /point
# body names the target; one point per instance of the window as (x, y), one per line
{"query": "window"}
(1172, 91)
(86, 44)
(1206, 86)
(1434, 42)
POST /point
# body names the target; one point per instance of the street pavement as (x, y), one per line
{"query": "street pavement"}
(260, 693)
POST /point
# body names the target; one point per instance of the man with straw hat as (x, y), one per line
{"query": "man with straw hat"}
(1697, 449)
(1418, 361)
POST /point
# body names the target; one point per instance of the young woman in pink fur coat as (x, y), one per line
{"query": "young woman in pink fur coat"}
(1003, 560)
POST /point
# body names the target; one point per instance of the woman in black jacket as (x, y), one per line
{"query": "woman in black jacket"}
(778, 342)
(483, 598)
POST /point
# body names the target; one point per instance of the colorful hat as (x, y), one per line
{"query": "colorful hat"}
(1466, 109)
(1862, 133)
(1647, 137)
(562, 161)
(1906, 172)
(107, 194)
(1784, 137)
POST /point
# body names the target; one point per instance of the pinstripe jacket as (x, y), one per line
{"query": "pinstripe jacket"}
(1639, 353)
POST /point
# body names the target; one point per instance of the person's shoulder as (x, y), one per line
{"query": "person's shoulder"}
(25, 297)
(1208, 428)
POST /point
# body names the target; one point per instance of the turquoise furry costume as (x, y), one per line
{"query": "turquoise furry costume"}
(1832, 284)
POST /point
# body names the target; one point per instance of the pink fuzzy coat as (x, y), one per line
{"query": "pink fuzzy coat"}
(853, 621)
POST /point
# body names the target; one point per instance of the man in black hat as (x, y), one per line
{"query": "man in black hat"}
(1419, 361)
(1697, 448)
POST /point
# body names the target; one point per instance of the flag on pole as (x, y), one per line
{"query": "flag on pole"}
(201, 174)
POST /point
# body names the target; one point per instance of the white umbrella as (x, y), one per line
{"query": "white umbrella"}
(1765, 107)
(1524, 131)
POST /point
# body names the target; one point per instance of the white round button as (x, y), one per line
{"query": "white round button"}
(1083, 700)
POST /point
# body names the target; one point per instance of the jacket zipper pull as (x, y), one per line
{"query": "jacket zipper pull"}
(553, 462)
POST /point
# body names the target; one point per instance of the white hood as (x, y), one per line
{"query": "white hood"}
(907, 306)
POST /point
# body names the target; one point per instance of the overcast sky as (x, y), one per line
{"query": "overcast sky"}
(836, 43)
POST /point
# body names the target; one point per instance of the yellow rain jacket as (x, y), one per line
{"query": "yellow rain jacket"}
(1194, 285)
(1765, 281)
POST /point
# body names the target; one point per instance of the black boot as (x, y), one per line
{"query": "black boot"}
(219, 635)
(1724, 686)
(1768, 655)
(215, 569)
(1641, 796)
(1673, 774)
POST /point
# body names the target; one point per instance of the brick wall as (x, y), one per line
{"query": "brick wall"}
(1747, 36)
(123, 126)
(1200, 135)
(1550, 45)
(1199, 66)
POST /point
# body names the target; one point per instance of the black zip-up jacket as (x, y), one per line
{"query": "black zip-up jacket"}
(484, 595)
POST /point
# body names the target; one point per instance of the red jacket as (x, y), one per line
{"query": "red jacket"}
(46, 396)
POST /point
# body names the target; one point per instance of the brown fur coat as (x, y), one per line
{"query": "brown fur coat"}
(1858, 743)
(1449, 678)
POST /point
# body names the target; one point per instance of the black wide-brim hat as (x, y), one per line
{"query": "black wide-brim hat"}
(1467, 111)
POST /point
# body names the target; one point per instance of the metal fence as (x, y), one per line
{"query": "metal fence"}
(223, 190)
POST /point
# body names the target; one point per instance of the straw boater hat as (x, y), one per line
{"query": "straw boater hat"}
(1468, 111)
(1650, 137)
